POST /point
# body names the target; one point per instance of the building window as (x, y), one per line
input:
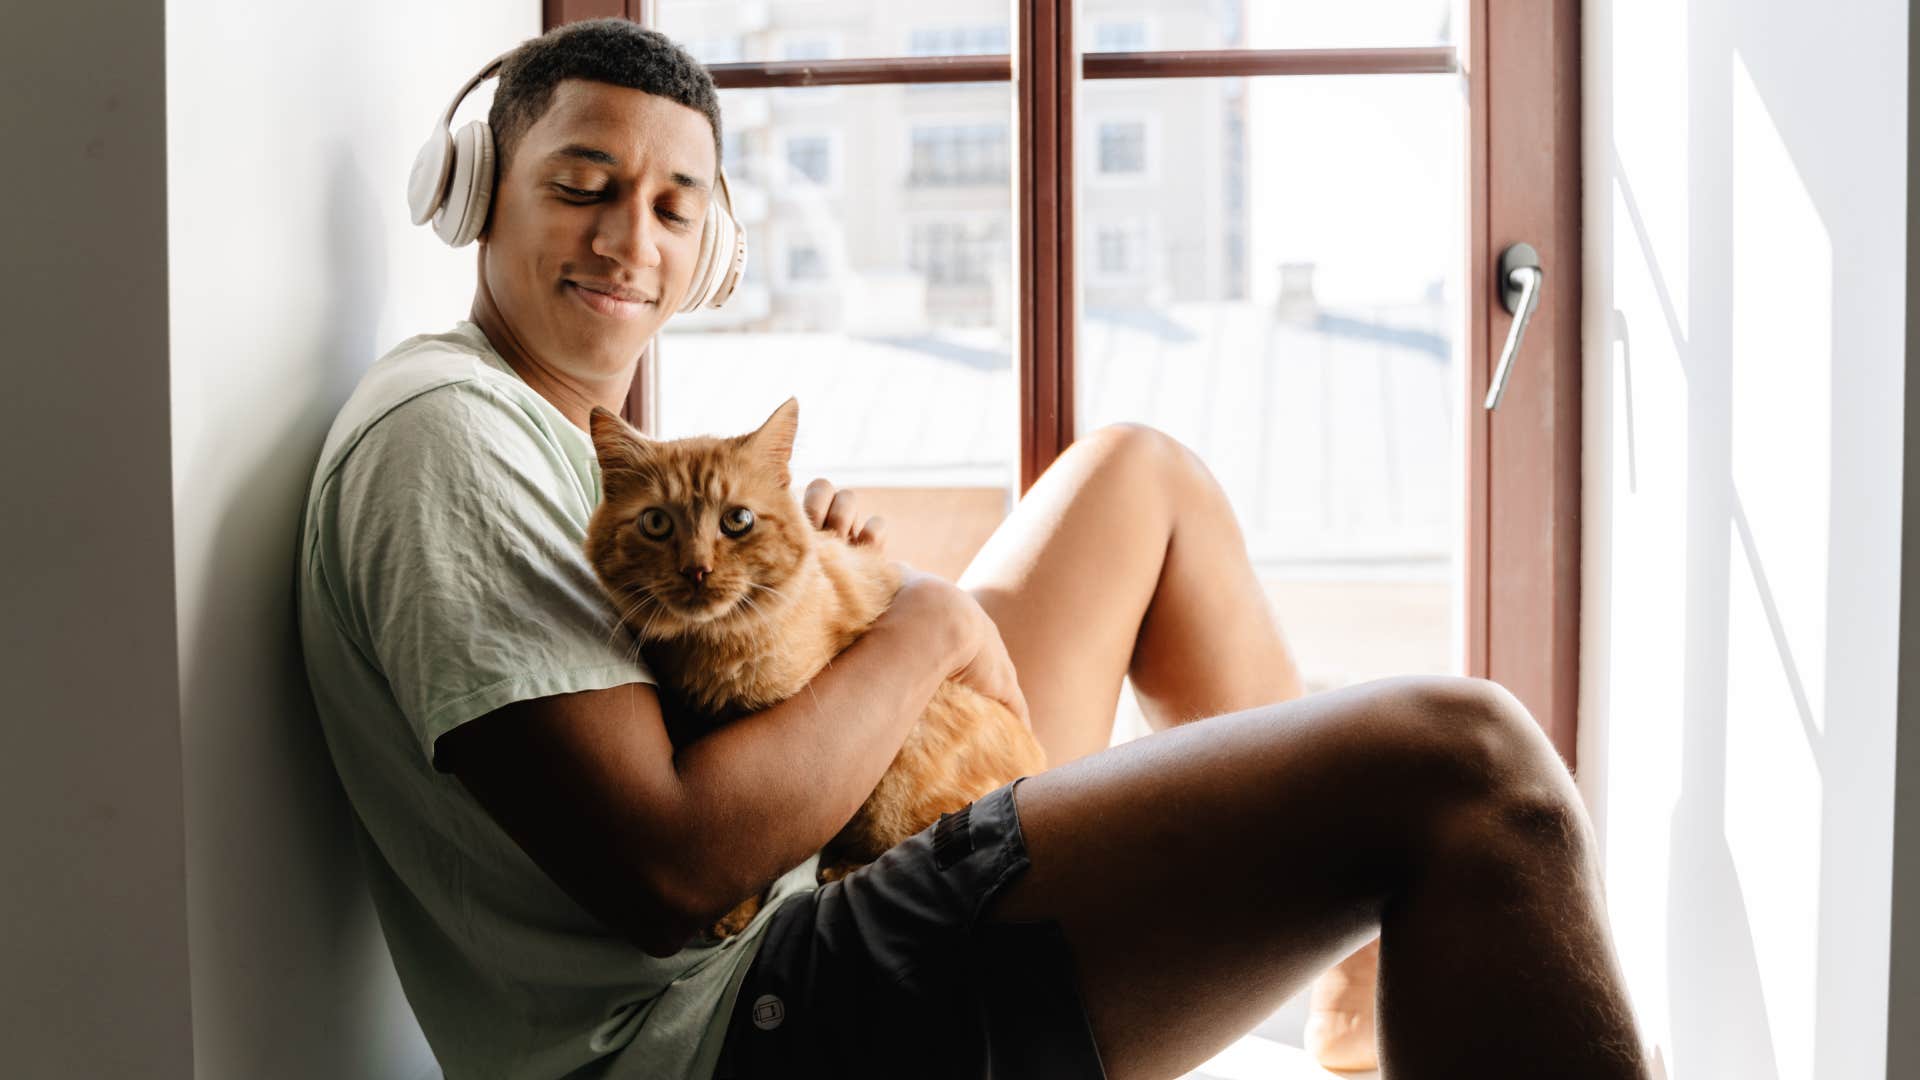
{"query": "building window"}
(1120, 250)
(956, 252)
(958, 40)
(719, 49)
(1123, 147)
(946, 155)
(808, 49)
(1128, 36)
(804, 261)
(811, 157)
(733, 156)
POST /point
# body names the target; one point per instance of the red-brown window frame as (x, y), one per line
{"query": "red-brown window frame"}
(1523, 183)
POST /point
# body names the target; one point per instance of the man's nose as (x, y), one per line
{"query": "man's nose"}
(628, 234)
(696, 574)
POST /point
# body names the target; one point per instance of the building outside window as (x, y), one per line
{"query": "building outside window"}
(945, 155)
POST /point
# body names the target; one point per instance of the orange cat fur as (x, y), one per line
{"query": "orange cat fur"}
(777, 601)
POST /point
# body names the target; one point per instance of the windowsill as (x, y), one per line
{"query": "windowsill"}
(1257, 1058)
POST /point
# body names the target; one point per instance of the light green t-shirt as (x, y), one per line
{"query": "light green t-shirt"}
(442, 577)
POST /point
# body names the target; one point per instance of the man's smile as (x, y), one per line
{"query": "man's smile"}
(611, 300)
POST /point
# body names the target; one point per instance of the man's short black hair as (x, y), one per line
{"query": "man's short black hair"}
(615, 51)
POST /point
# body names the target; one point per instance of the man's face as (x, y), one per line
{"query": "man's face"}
(595, 225)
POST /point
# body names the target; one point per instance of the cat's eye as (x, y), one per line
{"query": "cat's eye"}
(655, 522)
(736, 521)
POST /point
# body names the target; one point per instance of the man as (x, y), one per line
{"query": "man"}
(543, 856)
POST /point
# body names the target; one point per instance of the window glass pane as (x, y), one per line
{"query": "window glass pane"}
(1153, 25)
(723, 31)
(879, 292)
(1277, 287)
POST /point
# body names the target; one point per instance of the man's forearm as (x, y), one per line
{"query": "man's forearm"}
(765, 791)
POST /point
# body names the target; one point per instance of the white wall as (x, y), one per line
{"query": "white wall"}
(93, 947)
(292, 267)
(1745, 223)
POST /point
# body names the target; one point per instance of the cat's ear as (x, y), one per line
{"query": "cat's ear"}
(620, 448)
(772, 442)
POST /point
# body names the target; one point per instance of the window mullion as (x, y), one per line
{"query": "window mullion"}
(1046, 74)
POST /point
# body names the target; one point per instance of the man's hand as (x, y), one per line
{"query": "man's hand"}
(975, 654)
(833, 511)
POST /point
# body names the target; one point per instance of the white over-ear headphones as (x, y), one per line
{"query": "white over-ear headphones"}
(452, 186)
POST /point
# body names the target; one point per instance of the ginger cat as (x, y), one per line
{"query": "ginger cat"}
(738, 601)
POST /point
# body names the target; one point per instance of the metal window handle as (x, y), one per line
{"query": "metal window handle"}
(1521, 280)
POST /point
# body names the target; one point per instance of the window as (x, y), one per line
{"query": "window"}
(1122, 147)
(946, 155)
(804, 261)
(1231, 204)
(810, 157)
(986, 40)
(733, 155)
(1120, 249)
(1130, 36)
(957, 252)
(717, 49)
(810, 48)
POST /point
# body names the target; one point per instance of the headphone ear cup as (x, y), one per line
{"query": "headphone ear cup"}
(428, 181)
(470, 191)
(701, 285)
(736, 267)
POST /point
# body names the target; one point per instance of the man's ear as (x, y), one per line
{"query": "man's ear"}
(623, 452)
(772, 442)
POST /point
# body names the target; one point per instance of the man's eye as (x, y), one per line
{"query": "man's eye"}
(677, 219)
(578, 193)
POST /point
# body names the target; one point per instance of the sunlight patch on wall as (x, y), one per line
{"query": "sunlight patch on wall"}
(1777, 590)
(1647, 586)
(1649, 96)
(1782, 384)
(1772, 818)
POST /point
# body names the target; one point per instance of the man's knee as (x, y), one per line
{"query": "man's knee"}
(1157, 460)
(1501, 764)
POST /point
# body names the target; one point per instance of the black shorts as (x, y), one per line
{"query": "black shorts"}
(889, 972)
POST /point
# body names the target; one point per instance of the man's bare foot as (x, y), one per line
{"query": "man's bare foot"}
(1340, 1031)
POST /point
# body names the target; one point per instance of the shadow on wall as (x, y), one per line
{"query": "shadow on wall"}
(284, 886)
(1757, 474)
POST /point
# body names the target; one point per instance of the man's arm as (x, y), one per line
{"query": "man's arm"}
(658, 844)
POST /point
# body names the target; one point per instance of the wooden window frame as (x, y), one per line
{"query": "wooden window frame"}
(1523, 183)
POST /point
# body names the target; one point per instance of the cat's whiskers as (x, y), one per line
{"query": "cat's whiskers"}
(768, 588)
(659, 609)
(628, 613)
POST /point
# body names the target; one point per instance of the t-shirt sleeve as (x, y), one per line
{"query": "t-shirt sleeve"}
(460, 525)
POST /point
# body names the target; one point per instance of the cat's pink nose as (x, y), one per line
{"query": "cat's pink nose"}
(696, 574)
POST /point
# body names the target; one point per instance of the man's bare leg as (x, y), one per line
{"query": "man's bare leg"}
(1203, 875)
(1127, 537)
(1126, 559)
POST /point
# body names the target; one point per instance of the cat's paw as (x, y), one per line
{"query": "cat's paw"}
(736, 920)
(835, 872)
